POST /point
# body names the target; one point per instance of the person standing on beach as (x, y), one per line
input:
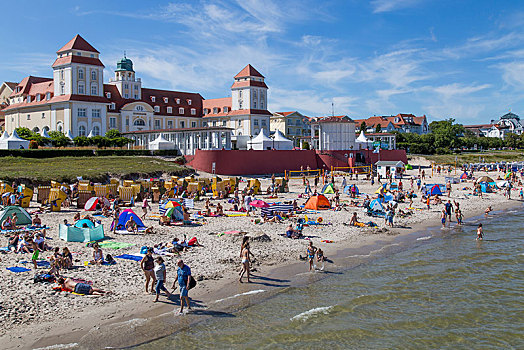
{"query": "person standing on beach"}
(183, 275)
(145, 206)
(148, 264)
(311, 251)
(160, 275)
(448, 206)
(443, 217)
(246, 262)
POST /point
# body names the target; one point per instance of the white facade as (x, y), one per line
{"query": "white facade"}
(334, 133)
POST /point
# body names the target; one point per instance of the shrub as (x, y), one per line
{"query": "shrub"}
(180, 160)
(33, 144)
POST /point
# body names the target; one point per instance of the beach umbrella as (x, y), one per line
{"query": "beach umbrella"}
(259, 204)
(508, 175)
(171, 204)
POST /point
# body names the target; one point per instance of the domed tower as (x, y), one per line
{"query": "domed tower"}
(125, 81)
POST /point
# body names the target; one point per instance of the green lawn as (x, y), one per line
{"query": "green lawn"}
(67, 169)
(488, 157)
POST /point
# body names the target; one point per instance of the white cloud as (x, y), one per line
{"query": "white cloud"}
(380, 6)
(455, 89)
(513, 74)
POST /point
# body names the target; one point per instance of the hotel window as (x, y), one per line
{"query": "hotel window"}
(182, 124)
(81, 130)
(226, 109)
(136, 97)
(189, 102)
(157, 109)
(80, 73)
(93, 75)
(139, 108)
(177, 101)
(108, 94)
(240, 93)
(93, 89)
(82, 112)
(263, 122)
(112, 105)
(37, 97)
(240, 104)
(62, 74)
(166, 99)
(169, 109)
(79, 54)
(43, 115)
(112, 123)
(204, 124)
(254, 104)
(254, 94)
(153, 98)
(48, 96)
(240, 123)
(255, 122)
(170, 124)
(29, 117)
(193, 124)
(28, 99)
(81, 89)
(136, 87)
(214, 123)
(127, 121)
(126, 95)
(138, 122)
(95, 113)
(193, 111)
(223, 123)
(215, 110)
(181, 111)
(93, 55)
(126, 86)
(96, 130)
(157, 124)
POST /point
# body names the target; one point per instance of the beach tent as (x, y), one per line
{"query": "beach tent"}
(175, 213)
(76, 234)
(126, 215)
(276, 208)
(388, 197)
(93, 202)
(4, 137)
(362, 141)
(260, 142)
(45, 134)
(435, 190)
(485, 187)
(14, 142)
(161, 143)
(485, 179)
(409, 167)
(23, 216)
(317, 202)
(375, 205)
(86, 222)
(328, 189)
(280, 142)
(464, 176)
(348, 188)
(381, 189)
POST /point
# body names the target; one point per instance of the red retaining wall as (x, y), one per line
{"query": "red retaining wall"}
(250, 162)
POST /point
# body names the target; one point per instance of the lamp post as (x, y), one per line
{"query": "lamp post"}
(250, 142)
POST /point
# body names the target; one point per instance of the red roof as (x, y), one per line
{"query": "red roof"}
(26, 83)
(335, 119)
(177, 129)
(246, 83)
(78, 43)
(218, 103)
(285, 114)
(404, 119)
(240, 112)
(248, 71)
(60, 61)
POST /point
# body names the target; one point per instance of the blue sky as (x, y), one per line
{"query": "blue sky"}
(442, 58)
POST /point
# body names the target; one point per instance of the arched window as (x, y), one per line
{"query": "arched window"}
(93, 75)
(59, 127)
(96, 130)
(36, 129)
(139, 122)
(46, 128)
(81, 130)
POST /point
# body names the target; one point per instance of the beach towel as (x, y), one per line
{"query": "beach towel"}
(114, 245)
(126, 232)
(17, 269)
(38, 262)
(129, 257)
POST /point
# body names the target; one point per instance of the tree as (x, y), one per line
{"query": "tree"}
(113, 134)
(27, 134)
(512, 140)
(305, 145)
(81, 141)
(58, 139)
(378, 128)
(363, 126)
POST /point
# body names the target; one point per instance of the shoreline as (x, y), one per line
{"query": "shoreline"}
(141, 324)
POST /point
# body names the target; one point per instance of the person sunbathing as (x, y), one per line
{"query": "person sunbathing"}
(354, 220)
(76, 217)
(164, 220)
(273, 219)
(80, 288)
(36, 222)
(218, 212)
(131, 226)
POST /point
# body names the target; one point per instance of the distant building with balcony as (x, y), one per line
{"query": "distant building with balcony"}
(293, 125)
(408, 123)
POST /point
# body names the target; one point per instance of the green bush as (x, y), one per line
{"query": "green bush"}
(443, 150)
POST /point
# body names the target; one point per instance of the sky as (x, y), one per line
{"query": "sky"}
(439, 58)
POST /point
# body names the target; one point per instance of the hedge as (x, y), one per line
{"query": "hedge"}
(53, 153)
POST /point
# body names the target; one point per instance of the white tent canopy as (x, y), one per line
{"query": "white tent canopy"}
(260, 142)
(5, 136)
(161, 143)
(68, 135)
(45, 134)
(91, 134)
(13, 142)
(362, 141)
(281, 142)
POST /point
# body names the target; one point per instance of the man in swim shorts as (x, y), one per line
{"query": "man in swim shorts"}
(80, 288)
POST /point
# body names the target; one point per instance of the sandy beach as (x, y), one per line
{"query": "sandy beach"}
(33, 315)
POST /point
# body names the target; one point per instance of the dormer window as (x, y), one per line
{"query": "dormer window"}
(193, 111)
(108, 94)
(112, 106)
(169, 109)
(153, 99)
(189, 102)
(181, 111)
(226, 109)
(48, 96)
(37, 97)
(177, 101)
(215, 110)
(166, 99)
(157, 109)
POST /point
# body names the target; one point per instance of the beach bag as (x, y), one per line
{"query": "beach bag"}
(43, 277)
(192, 283)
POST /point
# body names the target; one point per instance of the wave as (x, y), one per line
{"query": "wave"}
(310, 313)
(424, 238)
(241, 294)
(373, 251)
(59, 346)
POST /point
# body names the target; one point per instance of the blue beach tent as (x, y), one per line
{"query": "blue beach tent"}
(128, 213)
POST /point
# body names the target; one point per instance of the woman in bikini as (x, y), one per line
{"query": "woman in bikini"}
(244, 255)
(479, 233)
(148, 264)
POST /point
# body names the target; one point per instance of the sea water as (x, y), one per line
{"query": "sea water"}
(441, 290)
